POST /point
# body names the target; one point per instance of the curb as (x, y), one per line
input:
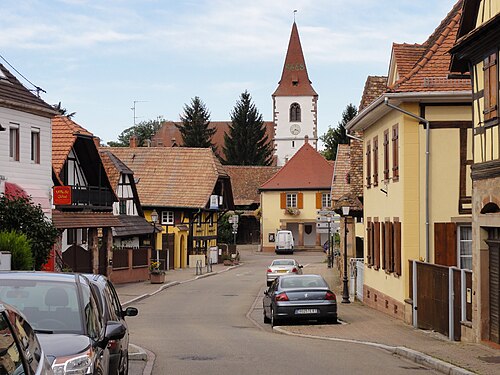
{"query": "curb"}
(410, 354)
(137, 353)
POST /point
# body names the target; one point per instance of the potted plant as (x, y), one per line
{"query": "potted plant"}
(156, 275)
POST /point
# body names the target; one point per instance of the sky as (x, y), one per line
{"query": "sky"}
(103, 58)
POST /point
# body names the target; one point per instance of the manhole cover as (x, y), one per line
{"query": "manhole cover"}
(495, 359)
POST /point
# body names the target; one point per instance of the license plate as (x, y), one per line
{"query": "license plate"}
(306, 311)
(282, 271)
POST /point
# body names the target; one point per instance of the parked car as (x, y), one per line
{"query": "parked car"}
(284, 242)
(20, 350)
(111, 309)
(64, 313)
(280, 267)
(299, 297)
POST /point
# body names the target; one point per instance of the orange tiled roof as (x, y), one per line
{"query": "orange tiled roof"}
(294, 79)
(341, 172)
(172, 176)
(114, 167)
(307, 169)
(374, 87)
(168, 133)
(246, 180)
(64, 133)
(430, 71)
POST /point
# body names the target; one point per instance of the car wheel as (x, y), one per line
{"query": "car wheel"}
(124, 369)
(332, 320)
(274, 321)
(266, 319)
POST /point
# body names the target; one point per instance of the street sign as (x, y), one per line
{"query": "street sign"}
(326, 212)
(233, 219)
(325, 218)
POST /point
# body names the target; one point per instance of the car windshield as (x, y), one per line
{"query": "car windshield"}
(303, 282)
(283, 262)
(48, 306)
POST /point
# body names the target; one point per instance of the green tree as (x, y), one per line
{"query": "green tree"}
(224, 230)
(144, 130)
(63, 111)
(334, 137)
(23, 216)
(20, 248)
(195, 128)
(247, 142)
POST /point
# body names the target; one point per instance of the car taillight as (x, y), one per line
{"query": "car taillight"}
(330, 296)
(282, 297)
(269, 270)
(294, 270)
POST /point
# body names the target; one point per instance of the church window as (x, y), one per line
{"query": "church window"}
(295, 112)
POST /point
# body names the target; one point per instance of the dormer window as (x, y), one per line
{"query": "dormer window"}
(295, 112)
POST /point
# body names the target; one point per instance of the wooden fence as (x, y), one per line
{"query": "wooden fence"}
(130, 265)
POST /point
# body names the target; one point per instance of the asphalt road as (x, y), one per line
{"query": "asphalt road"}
(214, 326)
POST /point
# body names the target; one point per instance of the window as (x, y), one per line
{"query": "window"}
(490, 68)
(291, 200)
(123, 206)
(386, 155)
(70, 236)
(395, 153)
(375, 161)
(35, 145)
(368, 164)
(293, 144)
(325, 200)
(295, 112)
(465, 246)
(14, 142)
(167, 217)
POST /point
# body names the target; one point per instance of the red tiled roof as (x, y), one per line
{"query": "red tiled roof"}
(64, 133)
(114, 167)
(374, 87)
(246, 180)
(169, 132)
(307, 169)
(430, 71)
(172, 176)
(341, 171)
(294, 79)
(66, 220)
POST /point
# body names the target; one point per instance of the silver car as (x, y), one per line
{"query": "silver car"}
(283, 267)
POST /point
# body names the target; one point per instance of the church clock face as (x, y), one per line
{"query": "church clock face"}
(295, 129)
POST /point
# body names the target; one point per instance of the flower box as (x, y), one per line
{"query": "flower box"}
(157, 277)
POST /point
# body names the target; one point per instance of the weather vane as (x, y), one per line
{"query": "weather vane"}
(295, 11)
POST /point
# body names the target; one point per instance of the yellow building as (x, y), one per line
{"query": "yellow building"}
(477, 52)
(291, 198)
(417, 156)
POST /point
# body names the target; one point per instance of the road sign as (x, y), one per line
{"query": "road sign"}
(326, 212)
(233, 219)
(326, 218)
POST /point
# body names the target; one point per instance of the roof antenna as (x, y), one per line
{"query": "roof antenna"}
(295, 11)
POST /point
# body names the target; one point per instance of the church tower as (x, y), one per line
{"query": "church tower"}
(294, 104)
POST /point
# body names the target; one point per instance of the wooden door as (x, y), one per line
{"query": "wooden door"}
(494, 281)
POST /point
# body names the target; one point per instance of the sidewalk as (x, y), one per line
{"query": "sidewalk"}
(366, 325)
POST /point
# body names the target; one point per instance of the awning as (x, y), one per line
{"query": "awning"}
(69, 220)
(14, 191)
(134, 225)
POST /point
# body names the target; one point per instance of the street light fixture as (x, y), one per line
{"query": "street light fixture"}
(154, 220)
(345, 292)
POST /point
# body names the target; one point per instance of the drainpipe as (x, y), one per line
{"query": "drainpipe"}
(427, 155)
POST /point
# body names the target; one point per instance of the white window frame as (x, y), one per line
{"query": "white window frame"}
(14, 152)
(167, 217)
(35, 146)
(325, 200)
(460, 242)
(291, 200)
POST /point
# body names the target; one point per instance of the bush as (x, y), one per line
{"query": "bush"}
(20, 248)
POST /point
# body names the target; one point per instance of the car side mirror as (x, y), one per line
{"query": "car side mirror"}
(130, 311)
(114, 331)
(266, 292)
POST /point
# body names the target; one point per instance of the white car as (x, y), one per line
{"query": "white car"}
(282, 267)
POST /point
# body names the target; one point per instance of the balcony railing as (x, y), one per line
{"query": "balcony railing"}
(94, 196)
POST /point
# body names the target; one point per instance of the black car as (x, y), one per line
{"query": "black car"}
(63, 310)
(299, 297)
(20, 350)
(111, 309)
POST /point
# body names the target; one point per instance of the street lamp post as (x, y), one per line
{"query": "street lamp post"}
(345, 292)
(154, 220)
(330, 252)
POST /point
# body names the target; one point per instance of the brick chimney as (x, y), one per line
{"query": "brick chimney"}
(133, 141)
(97, 141)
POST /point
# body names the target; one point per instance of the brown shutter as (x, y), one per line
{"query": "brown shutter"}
(397, 248)
(390, 249)
(386, 155)
(384, 253)
(490, 87)
(375, 161)
(319, 200)
(283, 200)
(395, 153)
(376, 244)
(300, 200)
(369, 243)
(445, 244)
(368, 164)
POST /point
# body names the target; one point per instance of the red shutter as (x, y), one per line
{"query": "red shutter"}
(300, 200)
(283, 200)
(376, 244)
(397, 248)
(445, 244)
(319, 200)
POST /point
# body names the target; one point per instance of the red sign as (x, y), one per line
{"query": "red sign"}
(62, 195)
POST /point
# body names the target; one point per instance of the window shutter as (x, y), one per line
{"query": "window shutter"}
(375, 161)
(384, 252)
(397, 248)
(386, 155)
(376, 244)
(490, 69)
(283, 200)
(395, 153)
(300, 200)
(369, 243)
(368, 164)
(445, 244)
(319, 200)
(390, 249)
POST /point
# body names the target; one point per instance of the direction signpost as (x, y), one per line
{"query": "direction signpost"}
(328, 222)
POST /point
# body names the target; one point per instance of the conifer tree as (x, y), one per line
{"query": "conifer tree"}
(195, 128)
(247, 142)
(334, 137)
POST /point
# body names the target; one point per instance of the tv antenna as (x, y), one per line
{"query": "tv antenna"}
(133, 108)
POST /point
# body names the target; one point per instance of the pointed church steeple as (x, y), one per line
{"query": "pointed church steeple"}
(294, 79)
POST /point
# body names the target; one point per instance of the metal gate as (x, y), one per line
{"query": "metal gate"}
(356, 268)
